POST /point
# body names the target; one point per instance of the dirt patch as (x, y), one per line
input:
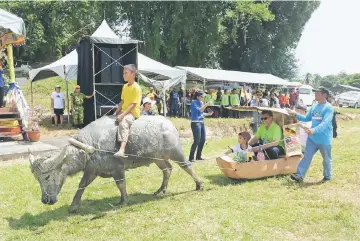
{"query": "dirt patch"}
(348, 116)
(218, 130)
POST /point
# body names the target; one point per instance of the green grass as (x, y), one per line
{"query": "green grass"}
(42, 90)
(269, 209)
(345, 110)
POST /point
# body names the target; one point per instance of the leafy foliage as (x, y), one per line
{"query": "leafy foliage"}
(254, 36)
(332, 82)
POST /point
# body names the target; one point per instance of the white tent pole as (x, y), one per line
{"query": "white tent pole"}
(93, 65)
(164, 101)
(67, 95)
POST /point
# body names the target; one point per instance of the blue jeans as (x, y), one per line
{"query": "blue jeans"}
(174, 107)
(310, 150)
(272, 152)
(199, 134)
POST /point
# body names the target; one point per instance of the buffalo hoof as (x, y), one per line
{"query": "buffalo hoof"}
(73, 208)
(160, 192)
(199, 186)
(122, 202)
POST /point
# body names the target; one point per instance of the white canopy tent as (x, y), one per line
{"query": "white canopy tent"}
(233, 76)
(9, 21)
(162, 76)
(66, 67)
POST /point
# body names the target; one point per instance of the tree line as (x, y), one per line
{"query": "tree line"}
(252, 36)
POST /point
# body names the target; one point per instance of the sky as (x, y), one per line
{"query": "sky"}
(330, 42)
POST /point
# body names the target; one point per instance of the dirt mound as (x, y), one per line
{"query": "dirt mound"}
(218, 131)
(348, 116)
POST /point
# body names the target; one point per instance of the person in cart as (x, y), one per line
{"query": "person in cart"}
(268, 137)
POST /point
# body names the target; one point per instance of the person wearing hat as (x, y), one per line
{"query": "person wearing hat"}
(129, 108)
(319, 135)
(147, 107)
(242, 150)
(77, 109)
(57, 105)
(197, 109)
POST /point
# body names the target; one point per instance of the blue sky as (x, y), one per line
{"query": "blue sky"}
(330, 42)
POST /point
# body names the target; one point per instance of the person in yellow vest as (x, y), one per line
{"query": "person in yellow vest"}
(225, 103)
(129, 108)
(234, 102)
(208, 98)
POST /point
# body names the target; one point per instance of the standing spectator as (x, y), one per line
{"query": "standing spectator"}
(197, 125)
(293, 98)
(2, 85)
(234, 102)
(77, 109)
(218, 96)
(287, 100)
(174, 99)
(282, 100)
(225, 103)
(274, 101)
(257, 102)
(58, 104)
(319, 135)
(248, 97)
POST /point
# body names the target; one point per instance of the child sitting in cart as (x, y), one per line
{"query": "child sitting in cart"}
(243, 151)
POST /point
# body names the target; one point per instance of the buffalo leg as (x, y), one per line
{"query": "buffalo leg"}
(119, 178)
(166, 168)
(178, 157)
(86, 179)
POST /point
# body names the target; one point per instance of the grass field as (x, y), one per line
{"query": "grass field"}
(269, 209)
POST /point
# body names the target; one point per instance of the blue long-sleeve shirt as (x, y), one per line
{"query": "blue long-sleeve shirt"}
(321, 116)
(196, 114)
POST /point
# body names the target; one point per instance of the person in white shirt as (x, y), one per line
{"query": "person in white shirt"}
(58, 104)
(301, 109)
(242, 150)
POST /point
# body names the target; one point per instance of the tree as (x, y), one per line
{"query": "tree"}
(268, 43)
(54, 27)
(176, 33)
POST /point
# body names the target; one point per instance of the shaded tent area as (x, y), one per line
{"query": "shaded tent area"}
(150, 71)
(227, 79)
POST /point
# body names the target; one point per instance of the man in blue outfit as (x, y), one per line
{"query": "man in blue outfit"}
(197, 124)
(319, 135)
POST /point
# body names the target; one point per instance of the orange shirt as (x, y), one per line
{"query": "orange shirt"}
(287, 100)
(282, 99)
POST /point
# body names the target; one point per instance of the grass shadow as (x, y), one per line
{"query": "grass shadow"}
(296, 185)
(221, 180)
(96, 208)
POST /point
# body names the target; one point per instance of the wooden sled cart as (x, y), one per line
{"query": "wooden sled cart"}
(286, 164)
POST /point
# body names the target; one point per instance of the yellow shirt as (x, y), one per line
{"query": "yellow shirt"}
(130, 95)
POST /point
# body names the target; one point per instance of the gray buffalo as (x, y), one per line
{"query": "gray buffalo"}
(153, 139)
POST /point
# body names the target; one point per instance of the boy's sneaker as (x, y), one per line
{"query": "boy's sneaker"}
(296, 178)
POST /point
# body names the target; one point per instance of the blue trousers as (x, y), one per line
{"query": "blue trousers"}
(272, 152)
(199, 134)
(310, 150)
(174, 107)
